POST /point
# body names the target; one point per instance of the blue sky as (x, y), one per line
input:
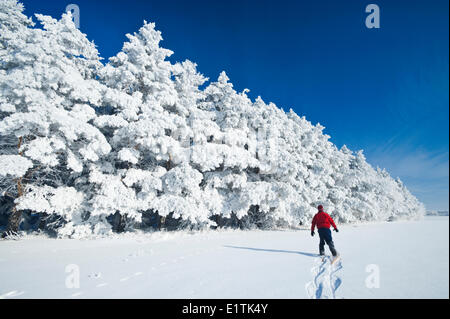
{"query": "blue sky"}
(382, 90)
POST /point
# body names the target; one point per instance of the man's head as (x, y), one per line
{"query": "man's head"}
(320, 208)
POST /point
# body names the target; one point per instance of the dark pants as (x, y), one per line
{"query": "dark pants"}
(325, 237)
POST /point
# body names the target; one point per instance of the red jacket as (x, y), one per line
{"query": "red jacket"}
(322, 220)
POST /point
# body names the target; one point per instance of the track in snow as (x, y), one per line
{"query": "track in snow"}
(325, 281)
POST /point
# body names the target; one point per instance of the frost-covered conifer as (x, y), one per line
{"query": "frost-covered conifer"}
(47, 95)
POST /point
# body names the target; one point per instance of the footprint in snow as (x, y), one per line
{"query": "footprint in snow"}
(138, 253)
(139, 273)
(325, 279)
(95, 275)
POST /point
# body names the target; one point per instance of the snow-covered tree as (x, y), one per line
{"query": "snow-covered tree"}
(47, 95)
(139, 121)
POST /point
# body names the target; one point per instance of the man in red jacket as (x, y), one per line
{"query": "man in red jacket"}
(323, 222)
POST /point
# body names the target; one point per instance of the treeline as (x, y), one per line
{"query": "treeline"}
(89, 148)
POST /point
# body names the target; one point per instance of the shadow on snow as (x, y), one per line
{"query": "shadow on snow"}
(275, 250)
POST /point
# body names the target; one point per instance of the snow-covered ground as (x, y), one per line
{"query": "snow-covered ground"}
(382, 260)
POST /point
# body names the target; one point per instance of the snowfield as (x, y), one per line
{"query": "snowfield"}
(379, 260)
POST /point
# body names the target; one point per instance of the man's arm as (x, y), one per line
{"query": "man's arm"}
(332, 222)
(314, 221)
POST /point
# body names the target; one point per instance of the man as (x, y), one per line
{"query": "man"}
(323, 222)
